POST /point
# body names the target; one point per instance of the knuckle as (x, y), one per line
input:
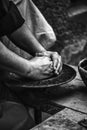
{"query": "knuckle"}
(60, 57)
(55, 53)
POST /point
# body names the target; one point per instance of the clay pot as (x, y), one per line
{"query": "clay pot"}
(82, 67)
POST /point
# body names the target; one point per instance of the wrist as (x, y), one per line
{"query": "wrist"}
(27, 68)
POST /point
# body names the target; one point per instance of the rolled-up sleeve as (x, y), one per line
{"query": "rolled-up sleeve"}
(11, 21)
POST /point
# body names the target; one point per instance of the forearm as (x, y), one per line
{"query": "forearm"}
(26, 41)
(12, 62)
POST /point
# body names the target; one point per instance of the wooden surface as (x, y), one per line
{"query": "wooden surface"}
(76, 100)
(75, 109)
(64, 120)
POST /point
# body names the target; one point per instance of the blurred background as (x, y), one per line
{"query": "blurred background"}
(69, 21)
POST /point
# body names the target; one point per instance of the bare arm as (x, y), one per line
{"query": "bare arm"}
(24, 39)
(13, 62)
(36, 68)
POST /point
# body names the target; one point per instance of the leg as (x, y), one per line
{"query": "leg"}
(13, 113)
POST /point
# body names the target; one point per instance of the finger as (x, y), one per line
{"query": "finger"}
(42, 54)
(58, 70)
(59, 65)
(48, 73)
(55, 60)
(39, 54)
(48, 69)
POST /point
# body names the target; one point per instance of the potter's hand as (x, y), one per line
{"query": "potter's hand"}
(55, 57)
(41, 68)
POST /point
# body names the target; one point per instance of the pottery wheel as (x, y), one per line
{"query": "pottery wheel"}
(67, 74)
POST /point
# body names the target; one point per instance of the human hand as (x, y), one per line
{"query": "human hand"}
(55, 57)
(41, 68)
